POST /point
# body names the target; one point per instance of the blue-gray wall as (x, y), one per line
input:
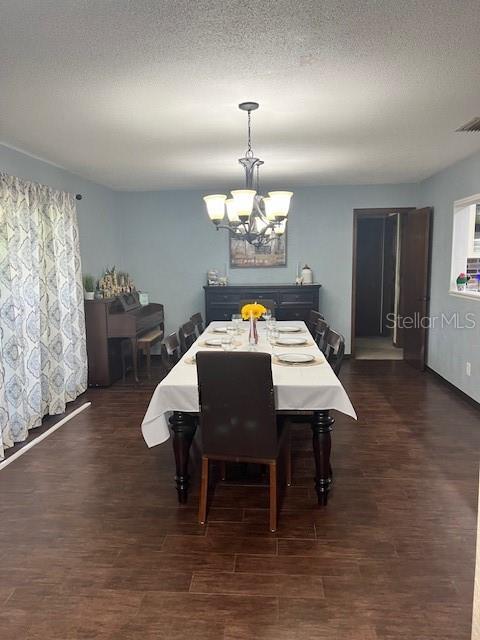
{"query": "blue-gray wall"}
(166, 241)
(169, 245)
(99, 232)
(450, 348)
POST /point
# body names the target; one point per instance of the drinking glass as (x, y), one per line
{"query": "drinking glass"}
(267, 315)
(232, 329)
(237, 321)
(273, 335)
(271, 323)
(227, 342)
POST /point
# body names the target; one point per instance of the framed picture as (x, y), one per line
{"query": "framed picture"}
(243, 255)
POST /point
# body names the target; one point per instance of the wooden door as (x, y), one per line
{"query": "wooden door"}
(415, 285)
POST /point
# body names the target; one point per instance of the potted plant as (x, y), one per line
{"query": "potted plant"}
(462, 280)
(89, 287)
(98, 295)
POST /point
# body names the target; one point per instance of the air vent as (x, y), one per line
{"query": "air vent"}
(473, 125)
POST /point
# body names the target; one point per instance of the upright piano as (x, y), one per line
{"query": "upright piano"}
(110, 321)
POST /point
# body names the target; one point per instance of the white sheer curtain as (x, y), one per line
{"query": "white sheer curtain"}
(43, 363)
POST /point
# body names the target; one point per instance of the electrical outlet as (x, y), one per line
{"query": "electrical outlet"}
(468, 369)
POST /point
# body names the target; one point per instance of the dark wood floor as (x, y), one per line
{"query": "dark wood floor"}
(94, 545)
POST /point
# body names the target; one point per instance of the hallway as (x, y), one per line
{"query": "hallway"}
(376, 348)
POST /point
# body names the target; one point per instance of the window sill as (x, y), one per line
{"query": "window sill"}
(470, 295)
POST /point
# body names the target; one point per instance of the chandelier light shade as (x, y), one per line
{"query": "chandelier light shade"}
(232, 212)
(215, 207)
(250, 216)
(243, 199)
(280, 203)
(267, 203)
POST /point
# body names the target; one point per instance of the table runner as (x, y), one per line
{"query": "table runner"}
(296, 388)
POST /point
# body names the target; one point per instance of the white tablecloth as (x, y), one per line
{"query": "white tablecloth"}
(296, 388)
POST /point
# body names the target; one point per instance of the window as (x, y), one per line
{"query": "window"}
(476, 232)
(466, 247)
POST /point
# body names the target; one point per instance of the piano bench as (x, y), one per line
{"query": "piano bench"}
(145, 343)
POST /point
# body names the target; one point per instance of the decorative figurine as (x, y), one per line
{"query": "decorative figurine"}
(307, 275)
(113, 283)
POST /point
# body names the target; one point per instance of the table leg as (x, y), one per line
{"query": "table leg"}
(183, 427)
(322, 426)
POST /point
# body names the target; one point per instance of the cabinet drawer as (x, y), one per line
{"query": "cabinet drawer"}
(215, 297)
(297, 297)
(251, 294)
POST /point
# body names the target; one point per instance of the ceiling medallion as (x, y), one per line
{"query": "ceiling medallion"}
(251, 217)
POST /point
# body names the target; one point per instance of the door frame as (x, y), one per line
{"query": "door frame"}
(357, 215)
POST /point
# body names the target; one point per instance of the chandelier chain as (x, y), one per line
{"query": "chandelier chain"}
(249, 152)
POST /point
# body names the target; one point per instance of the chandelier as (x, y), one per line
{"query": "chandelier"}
(250, 216)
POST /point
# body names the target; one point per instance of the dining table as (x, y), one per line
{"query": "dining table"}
(306, 391)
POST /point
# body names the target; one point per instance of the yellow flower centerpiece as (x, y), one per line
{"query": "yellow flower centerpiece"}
(253, 312)
(253, 309)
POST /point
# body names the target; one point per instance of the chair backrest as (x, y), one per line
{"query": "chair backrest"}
(237, 405)
(267, 303)
(313, 317)
(320, 333)
(187, 335)
(334, 350)
(197, 322)
(170, 350)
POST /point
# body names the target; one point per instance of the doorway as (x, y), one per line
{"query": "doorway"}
(391, 255)
(376, 295)
(376, 285)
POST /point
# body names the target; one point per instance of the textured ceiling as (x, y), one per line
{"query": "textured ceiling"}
(143, 94)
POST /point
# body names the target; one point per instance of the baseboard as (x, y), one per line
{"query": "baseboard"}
(32, 442)
(471, 401)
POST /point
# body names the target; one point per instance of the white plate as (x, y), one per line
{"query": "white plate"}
(288, 329)
(287, 342)
(296, 358)
(220, 329)
(214, 342)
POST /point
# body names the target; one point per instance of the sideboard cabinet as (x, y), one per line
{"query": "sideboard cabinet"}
(293, 302)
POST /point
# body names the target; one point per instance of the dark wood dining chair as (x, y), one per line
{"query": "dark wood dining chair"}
(170, 351)
(187, 335)
(313, 317)
(197, 322)
(267, 303)
(334, 350)
(320, 333)
(238, 422)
